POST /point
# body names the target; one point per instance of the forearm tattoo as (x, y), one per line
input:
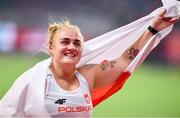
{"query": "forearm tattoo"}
(90, 67)
(132, 53)
(109, 64)
(103, 66)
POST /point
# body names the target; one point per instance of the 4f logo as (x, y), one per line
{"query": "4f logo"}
(60, 101)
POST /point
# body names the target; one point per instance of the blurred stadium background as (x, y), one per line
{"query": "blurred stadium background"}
(152, 91)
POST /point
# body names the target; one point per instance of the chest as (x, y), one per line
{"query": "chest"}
(60, 102)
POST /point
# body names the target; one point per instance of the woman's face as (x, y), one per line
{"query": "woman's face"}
(66, 47)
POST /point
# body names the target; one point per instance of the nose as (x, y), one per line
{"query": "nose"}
(71, 46)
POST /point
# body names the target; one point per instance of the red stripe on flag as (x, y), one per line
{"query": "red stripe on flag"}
(100, 94)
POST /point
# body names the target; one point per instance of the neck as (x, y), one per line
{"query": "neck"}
(63, 71)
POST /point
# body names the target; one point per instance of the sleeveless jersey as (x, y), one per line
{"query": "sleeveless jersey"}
(63, 103)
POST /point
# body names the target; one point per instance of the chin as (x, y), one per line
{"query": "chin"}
(68, 61)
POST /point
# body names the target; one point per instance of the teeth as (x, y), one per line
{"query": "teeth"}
(69, 54)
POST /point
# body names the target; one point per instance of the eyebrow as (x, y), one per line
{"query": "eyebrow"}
(67, 39)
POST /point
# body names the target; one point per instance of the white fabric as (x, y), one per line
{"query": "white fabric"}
(26, 96)
(75, 103)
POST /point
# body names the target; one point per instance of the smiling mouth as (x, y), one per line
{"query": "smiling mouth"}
(70, 55)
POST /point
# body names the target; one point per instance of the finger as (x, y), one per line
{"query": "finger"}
(175, 19)
(162, 12)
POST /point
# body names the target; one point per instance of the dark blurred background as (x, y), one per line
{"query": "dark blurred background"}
(23, 23)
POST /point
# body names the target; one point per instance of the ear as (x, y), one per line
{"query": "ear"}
(50, 49)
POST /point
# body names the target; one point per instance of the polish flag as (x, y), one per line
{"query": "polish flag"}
(112, 44)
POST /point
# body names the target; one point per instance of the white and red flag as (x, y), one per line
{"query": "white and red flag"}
(112, 44)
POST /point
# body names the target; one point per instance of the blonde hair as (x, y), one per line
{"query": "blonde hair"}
(60, 25)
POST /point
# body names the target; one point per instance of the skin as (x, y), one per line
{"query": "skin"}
(66, 55)
(66, 52)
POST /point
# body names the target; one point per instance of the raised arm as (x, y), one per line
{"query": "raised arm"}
(102, 74)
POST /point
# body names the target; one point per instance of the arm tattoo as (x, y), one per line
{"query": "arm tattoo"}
(132, 53)
(90, 67)
(106, 65)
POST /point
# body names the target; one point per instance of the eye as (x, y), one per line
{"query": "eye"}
(65, 42)
(77, 44)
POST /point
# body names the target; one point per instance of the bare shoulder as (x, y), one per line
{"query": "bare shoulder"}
(87, 72)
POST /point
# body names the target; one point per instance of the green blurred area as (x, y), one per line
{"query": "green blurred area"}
(152, 91)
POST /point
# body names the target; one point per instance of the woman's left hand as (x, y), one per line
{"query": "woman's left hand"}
(160, 22)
